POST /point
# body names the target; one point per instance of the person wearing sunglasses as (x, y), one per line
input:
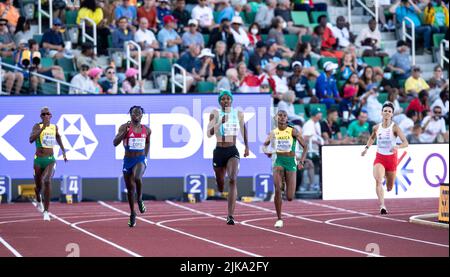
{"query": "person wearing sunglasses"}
(52, 40)
(46, 136)
(433, 126)
(110, 82)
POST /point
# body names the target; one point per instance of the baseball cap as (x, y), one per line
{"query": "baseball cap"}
(315, 111)
(169, 18)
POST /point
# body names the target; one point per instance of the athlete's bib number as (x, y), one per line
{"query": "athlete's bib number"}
(136, 143)
(230, 129)
(48, 140)
(283, 145)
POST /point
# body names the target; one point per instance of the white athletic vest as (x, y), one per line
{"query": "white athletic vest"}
(386, 139)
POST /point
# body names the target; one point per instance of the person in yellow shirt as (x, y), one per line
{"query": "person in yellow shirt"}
(436, 16)
(414, 84)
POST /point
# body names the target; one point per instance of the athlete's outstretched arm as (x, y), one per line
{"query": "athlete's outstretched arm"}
(244, 133)
(267, 143)
(371, 140)
(121, 133)
(59, 141)
(147, 141)
(36, 132)
(298, 136)
(398, 132)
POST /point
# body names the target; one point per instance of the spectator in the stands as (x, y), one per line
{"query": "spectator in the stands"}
(7, 44)
(182, 15)
(10, 13)
(148, 10)
(366, 82)
(192, 35)
(188, 61)
(52, 41)
(148, 43)
(239, 33)
(204, 15)
(220, 60)
(326, 85)
(87, 56)
(438, 78)
(132, 85)
(415, 83)
(204, 66)
(369, 38)
(284, 11)
(349, 95)
(443, 103)
(255, 63)
(349, 65)
(110, 83)
(94, 75)
(254, 35)
(81, 83)
(286, 99)
(303, 54)
(230, 82)
(408, 122)
(273, 54)
(299, 84)
(312, 132)
(359, 126)
(224, 10)
(400, 62)
(89, 9)
(331, 132)
(127, 11)
(420, 104)
(329, 42)
(23, 30)
(168, 38)
(436, 16)
(163, 10)
(407, 8)
(265, 15)
(221, 33)
(9, 78)
(342, 33)
(236, 55)
(433, 126)
(415, 135)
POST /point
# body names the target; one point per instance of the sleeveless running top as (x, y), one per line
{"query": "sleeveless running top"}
(231, 126)
(386, 139)
(47, 138)
(135, 142)
(284, 141)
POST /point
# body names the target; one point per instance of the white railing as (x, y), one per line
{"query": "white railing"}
(85, 35)
(443, 46)
(130, 59)
(363, 5)
(175, 83)
(58, 82)
(48, 14)
(412, 37)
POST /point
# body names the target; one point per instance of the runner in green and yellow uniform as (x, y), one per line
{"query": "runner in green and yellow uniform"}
(283, 140)
(45, 135)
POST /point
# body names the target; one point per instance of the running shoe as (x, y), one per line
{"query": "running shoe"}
(230, 220)
(132, 221)
(40, 207)
(46, 216)
(383, 210)
(141, 205)
(279, 223)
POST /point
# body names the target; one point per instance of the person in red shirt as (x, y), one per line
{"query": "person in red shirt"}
(148, 10)
(329, 42)
(420, 104)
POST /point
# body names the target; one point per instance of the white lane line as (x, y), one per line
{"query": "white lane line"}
(182, 232)
(10, 248)
(350, 211)
(276, 232)
(283, 213)
(330, 222)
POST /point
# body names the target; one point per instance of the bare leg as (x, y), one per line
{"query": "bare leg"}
(277, 179)
(47, 176)
(138, 172)
(232, 171)
(38, 182)
(390, 179)
(378, 174)
(129, 181)
(220, 177)
(19, 82)
(9, 81)
(291, 180)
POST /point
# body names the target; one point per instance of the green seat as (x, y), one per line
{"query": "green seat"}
(437, 38)
(314, 62)
(401, 83)
(249, 17)
(67, 65)
(341, 84)
(312, 83)
(373, 61)
(316, 14)
(264, 37)
(343, 131)
(37, 38)
(162, 65)
(306, 38)
(46, 62)
(404, 105)
(291, 41)
(205, 87)
(206, 39)
(110, 41)
(323, 109)
(71, 17)
(8, 60)
(323, 60)
(300, 110)
(382, 97)
(300, 18)
(48, 88)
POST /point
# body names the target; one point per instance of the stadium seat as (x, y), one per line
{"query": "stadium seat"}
(71, 17)
(38, 38)
(8, 60)
(249, 17)
(291, 41)
(205, 87)
(314, 62)
(306, 38)
(382, 97)
(404, 105)
(322, 107)
(343, 131)
(316, 14)
(323, 60)
(46, 62)
(205, 38)
(437, 38)
(163, 65)
(110, 41)
(48, 88)
(300, 18)
(300, 110)
(373, 61)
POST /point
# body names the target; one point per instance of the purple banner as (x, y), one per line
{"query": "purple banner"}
(87, 124)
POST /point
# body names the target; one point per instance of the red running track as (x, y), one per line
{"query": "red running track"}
(173, 229)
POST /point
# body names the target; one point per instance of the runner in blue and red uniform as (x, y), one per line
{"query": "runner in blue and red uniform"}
(136, 140)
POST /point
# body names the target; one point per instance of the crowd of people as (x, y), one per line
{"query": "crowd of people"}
(241, 46)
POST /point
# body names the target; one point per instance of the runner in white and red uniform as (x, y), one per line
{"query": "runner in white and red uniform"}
(385, 164)
(136, 140)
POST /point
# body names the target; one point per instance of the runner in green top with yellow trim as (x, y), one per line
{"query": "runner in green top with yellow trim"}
(45, 135)
(283, 140)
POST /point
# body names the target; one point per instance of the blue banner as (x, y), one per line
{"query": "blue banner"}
(178, 144)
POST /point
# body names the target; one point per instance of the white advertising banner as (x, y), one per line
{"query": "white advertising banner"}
(347, 175)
